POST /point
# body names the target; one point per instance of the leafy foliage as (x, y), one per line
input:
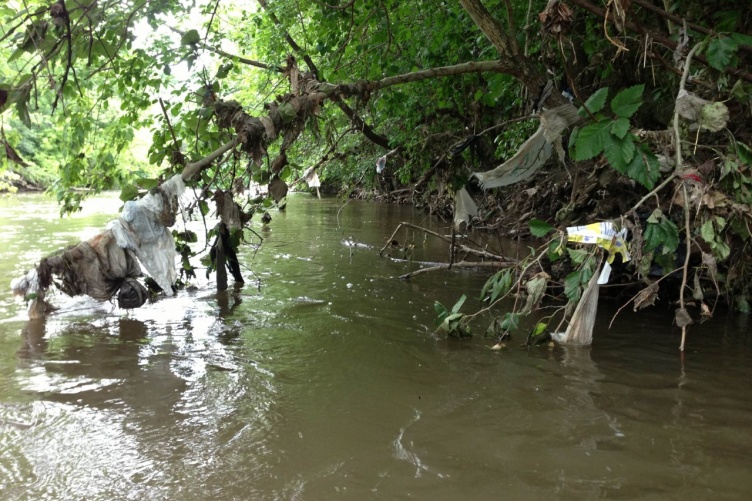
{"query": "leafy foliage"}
(611, 137)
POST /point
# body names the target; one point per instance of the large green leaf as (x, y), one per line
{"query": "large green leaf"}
(720, 51)
(661, 231)
(626, 102)
(620, 152)
(595, 103)
(591, 140)
(539, 228)
(644, 167)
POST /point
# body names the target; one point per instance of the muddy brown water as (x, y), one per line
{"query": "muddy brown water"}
(321, 378)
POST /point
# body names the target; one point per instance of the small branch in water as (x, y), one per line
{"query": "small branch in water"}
(688, 238)
(636, 295)
(461, 264)
(464, 248)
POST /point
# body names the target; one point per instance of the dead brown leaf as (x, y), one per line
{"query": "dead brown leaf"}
(11, 153)
(705, 313)
(646, 297)
(682, 318)
(556, 17)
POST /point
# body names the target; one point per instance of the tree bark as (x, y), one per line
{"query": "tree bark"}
(516, 64)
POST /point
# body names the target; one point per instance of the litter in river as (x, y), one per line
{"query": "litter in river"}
(109, 262)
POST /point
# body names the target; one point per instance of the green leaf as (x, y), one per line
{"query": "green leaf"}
(620, 152)
(190, 37)
(595, 103)
(744, 152)
(147, 184)
(502, 285)
(591, 140)
(441, 311)
(572, 285)
(742, 39)
(510, 321)
(539, 228)
(720, 50)
(539, 329)
(626, 102)
(620, 127)
(577, 256)
(203, 207)
(224, 70)
(23, 111)
(129, 192)
(459, 304)
(707, 231)
(555, 249)
(663, 233)
(573, 138)
(644, 168)
(489, 283)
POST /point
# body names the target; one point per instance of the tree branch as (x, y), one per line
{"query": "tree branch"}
(517, 65)
(194, 168)
(443, 71)
(657, 37)
(233, 57)
(362, 126)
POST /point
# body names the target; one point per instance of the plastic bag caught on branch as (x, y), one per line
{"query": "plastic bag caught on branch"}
(580, 329)
(535, 152)
(100, 266)
(143, 229)
(464, 208)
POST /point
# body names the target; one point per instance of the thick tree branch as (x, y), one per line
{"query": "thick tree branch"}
(443, 71)
(516, 64)
(489, 26)
(194, 168)
(356, 120)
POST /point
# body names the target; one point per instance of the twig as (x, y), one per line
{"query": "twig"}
(688, 241)
(652, 193)
(682, 83)
(461, 264)
(69, 62)
(211, 20)
(635, 296)
(464, 248)
(167, 119)
(677, 168)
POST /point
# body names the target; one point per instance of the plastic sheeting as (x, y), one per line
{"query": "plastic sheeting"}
(100, 266)
(580, 329)
(312, 178)
(464, 208)
(534, 152)
(143, 229)
(709, 115)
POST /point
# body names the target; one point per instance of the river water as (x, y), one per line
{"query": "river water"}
(322, 378)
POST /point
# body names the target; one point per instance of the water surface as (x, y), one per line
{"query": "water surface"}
(322, 378)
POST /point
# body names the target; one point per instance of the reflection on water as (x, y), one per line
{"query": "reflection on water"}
(320, 378)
